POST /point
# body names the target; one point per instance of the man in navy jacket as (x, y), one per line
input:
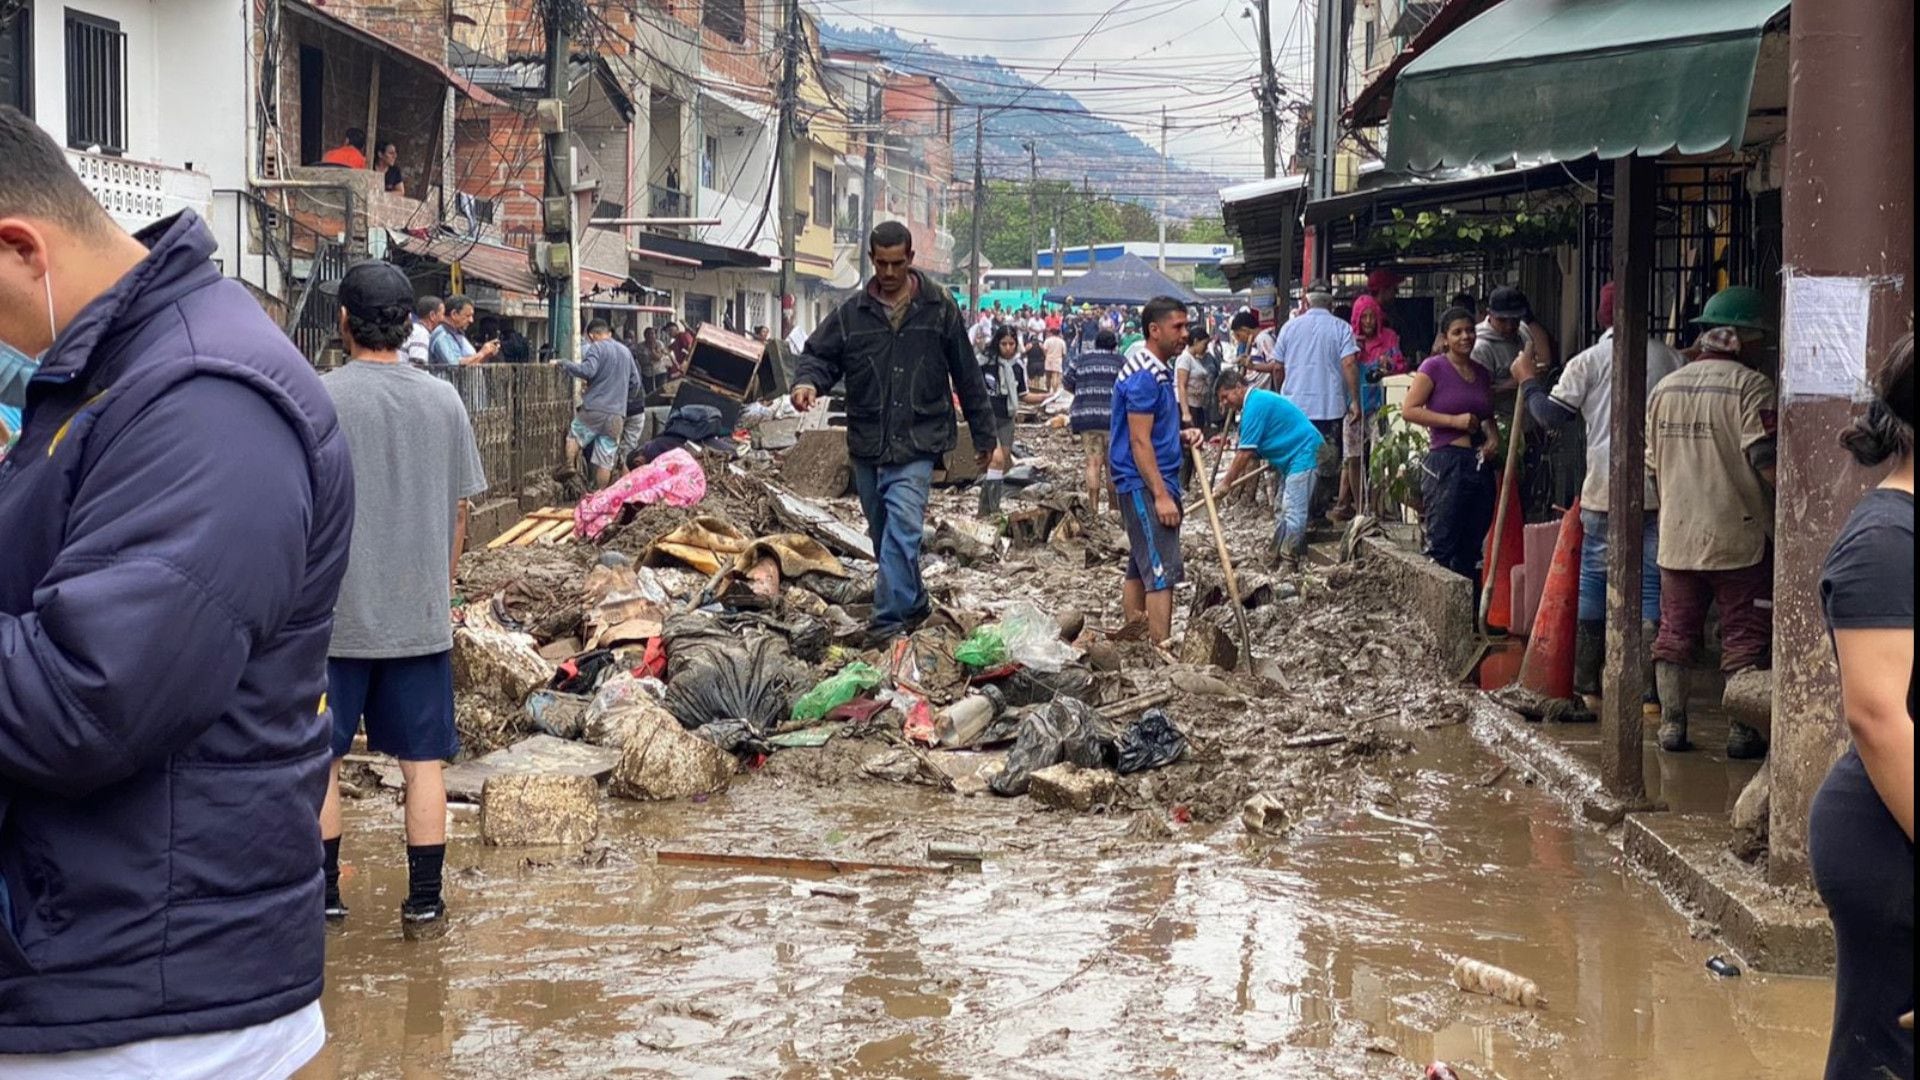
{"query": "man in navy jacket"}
(174, 524)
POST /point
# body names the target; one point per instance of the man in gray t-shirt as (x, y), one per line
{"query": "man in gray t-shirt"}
(608, 368)
(415, 466)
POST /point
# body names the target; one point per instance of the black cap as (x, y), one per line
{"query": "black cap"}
(371, 289)
(1508, 302)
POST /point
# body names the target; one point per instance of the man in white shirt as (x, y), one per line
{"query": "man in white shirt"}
(1316, 365)
(1585, 391)
(428, 313)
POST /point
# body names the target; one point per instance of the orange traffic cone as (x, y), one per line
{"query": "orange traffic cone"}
(1512, 550)
(1548, 666)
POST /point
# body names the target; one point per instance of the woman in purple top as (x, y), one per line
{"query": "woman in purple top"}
(1451, 396)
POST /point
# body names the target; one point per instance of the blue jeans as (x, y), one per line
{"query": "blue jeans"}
(1290, 525)
(894, 498)
(1593, 568)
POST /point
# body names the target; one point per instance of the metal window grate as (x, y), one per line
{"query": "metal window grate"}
(1706, 234)
(96, 84)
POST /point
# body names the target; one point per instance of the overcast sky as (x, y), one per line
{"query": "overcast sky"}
(1198, 58)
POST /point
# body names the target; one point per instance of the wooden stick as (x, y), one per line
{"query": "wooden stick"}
(1226, 561)
(1508, 479)
(1258, 470)
(1139, 703)
(789, 864)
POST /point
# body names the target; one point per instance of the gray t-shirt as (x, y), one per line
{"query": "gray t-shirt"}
(606, 366)
(414, 459)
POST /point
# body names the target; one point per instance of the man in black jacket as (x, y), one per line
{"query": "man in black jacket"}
(902, 347)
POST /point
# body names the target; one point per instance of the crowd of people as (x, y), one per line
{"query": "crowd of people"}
(221, 566)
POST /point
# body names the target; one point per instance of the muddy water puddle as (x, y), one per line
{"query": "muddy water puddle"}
(1075, 952)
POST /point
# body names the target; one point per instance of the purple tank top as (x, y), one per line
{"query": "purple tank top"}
(1453, 394)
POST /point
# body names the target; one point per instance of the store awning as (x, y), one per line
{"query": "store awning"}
(1559, 80)
(708, 256)
(503, 266)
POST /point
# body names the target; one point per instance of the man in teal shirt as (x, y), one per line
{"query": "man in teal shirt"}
(1275, 430)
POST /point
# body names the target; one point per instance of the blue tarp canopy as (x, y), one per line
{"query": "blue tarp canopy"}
(1128, 279)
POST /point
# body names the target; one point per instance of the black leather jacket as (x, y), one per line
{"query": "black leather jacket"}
(900, 383)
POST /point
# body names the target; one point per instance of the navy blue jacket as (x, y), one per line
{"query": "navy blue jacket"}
(173, 529)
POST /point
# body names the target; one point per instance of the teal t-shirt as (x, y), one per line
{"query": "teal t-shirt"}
(1279, 431)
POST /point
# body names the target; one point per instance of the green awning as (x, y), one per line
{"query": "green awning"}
(1558, 80)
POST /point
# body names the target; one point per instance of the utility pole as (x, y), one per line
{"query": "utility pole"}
(783, 165)
(1848, 209)
(1033, 218)
(979, 208)
(866, 182)
(1329, 60)
(1269, 93)
(1059, 245)
(1163, 189)
(557, 188)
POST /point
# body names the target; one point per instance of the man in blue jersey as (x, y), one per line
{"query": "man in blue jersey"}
(1146, 442)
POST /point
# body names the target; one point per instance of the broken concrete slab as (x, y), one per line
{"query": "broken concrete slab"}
(1209, 643)
(1775, 930)
(487, 656)
(817, 467)
(817, 521)
(663, 760)
(539, 808)
(1067, 786)
(539, 754)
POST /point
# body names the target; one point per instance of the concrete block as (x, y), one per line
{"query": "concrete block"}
(539, 809)
(662, 760)
(487, 657)
(1775, 930)
(1208, 642)
(1748, 698)
(1750, 816)
(1067, 786)
(817, 467)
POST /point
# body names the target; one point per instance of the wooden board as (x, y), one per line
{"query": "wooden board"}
(548, 525)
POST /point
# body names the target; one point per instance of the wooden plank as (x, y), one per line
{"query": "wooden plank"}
(513, 535)
(788, 864)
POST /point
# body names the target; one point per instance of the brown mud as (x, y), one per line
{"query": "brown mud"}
(1157, 939)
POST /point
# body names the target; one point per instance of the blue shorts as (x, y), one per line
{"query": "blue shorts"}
(1153, 550)
(406, 701)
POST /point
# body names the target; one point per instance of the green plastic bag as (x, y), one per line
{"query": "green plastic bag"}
(985, 648)
(836, 690)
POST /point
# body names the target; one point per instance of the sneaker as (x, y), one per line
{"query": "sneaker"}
(423, 922)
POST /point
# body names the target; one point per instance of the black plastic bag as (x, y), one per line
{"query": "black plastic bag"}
(734, 736)
(583, 674)
(1067, 729)
(1041, 744)
(1030, 686)
(714, 675)
(1150, 743)
(837, 590)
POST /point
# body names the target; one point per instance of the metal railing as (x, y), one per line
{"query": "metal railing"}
(520, 414)
(285, 247)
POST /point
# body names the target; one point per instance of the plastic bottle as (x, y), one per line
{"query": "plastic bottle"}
(965, 720)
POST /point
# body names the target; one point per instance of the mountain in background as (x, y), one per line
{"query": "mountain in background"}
(1074, 144)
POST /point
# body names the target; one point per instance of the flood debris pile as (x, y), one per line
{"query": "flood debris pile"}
(688, 644)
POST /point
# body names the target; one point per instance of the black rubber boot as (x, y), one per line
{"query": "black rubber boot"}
(1589, 654)
(1745, 743)
(1672, 680)
(1649, 701)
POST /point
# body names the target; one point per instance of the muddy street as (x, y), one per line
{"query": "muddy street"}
(1157, 936)
(1077, 951)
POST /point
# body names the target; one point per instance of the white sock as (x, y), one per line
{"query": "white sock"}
(995, 474)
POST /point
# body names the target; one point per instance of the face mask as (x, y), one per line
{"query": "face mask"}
(16, 367)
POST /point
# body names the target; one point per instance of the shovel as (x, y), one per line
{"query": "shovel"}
(1200, 473)
(1484, 641)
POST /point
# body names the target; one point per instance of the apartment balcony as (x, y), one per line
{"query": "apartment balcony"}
(663, 202)
(138, 193)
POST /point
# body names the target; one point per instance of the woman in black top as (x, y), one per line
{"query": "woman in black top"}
(388, 162)
(1861, 833)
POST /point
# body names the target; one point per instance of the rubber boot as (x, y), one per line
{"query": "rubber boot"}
(1672, 680)
(991, 493)
(1650, 700)
(1745, 743)
(1589, 654)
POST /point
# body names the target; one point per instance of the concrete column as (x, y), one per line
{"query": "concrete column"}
(1848, 206)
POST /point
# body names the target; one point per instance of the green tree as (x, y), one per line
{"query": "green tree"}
(1204, 230)
(1006, 226)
